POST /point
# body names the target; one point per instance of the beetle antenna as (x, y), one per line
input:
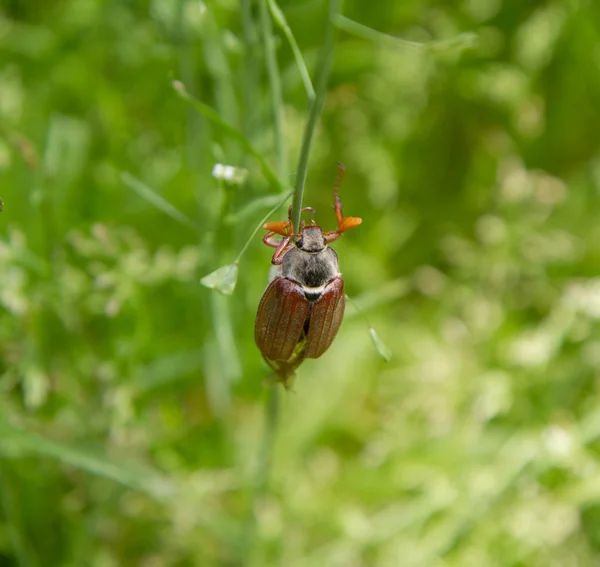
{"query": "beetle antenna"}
(340, 176)
(343, 223)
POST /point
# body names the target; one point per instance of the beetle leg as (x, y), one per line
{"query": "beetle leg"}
(283, 228)
(270, 241)
(282, 248)
(331, 236)
(280, 245)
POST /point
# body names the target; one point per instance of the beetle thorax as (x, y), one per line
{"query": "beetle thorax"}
(312, 270)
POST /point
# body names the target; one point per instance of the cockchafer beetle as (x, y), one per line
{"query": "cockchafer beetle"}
(302, 308)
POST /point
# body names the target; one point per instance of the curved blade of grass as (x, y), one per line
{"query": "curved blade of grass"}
(13, 518)
(279, 18)
(167, 370)
(275, 88)
(260, 225)
(215, 118)
(155, 199)
(251, 66)
(461, 41)
(386, 293)
(383, 350)
(14, 440)
(251, 208)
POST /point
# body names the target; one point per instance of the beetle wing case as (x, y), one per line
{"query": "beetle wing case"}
(327, 312)
(286, 318)
(280, 319)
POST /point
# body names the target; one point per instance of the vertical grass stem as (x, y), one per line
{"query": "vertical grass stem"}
(275, 88)
(322, 77)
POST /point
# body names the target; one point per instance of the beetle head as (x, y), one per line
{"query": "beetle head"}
(311, 239)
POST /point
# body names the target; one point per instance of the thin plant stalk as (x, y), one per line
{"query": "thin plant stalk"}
(275, 88)
(250, 93)
(322, 76)
(272, 401)
(214, 117)
(259, 226)
(263, 471)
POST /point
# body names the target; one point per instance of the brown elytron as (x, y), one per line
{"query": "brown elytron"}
(302, 309)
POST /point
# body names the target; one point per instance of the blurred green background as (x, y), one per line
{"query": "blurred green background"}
(132, 399)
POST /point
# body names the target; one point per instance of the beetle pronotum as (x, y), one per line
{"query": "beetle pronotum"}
(301, 310)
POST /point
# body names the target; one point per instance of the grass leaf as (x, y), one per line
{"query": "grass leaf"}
(280, 20)
(15, 441)
(459, 42)
(155, 199)
(215, 118)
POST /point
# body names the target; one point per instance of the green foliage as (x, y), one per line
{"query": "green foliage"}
(132, 398)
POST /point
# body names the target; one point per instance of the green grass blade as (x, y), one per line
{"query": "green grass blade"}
(260, 225)
(155, 199)
(215, 118)
(383, 350)
(253, 207)
(279, 18)
(17, 441)
(462, 41)
(275, 88)
(224, 278)
(13, 516)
